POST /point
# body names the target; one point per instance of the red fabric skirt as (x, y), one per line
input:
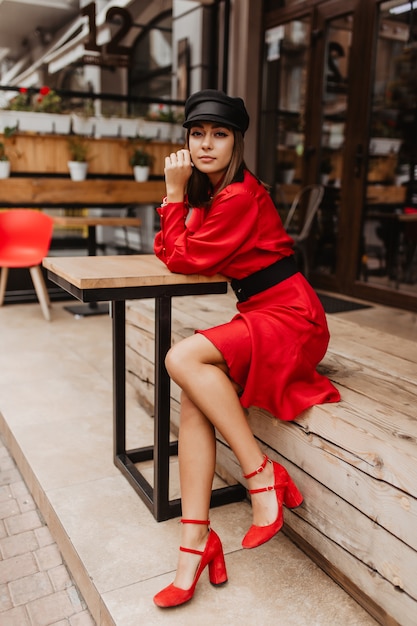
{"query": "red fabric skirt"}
(273, 346)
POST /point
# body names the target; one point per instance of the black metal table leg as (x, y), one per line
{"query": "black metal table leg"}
(162, 409)
(119, 377)
(155, 497)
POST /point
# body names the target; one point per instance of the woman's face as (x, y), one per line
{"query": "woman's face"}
(211, 149)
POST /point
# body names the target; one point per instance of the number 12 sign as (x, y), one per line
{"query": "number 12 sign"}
(111, 53)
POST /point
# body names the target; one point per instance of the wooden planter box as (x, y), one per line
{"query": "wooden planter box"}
(48, 154)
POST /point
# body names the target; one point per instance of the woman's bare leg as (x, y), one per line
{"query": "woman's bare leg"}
(210, 400)
(197, 459)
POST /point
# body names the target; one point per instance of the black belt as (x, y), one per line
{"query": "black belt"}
(264, 279)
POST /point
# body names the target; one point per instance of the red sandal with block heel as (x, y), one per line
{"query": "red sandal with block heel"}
(286, 492)
(211, 556)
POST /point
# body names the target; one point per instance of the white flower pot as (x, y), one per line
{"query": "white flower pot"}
(82, 125)
(148, 129)
(78, 170)
(4, 169)
(8, 119)
(61, 124)
(107, 127)
(162, 131)
(128, 127)
(44, 122)
(141, 173)
(104, 126)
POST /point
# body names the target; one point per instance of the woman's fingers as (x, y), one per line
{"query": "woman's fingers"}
(177, 171)
(180, 158)
(179, 162)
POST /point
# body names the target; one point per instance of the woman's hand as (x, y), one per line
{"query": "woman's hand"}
(178, 168)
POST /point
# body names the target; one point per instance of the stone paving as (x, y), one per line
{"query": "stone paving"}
(36, 588)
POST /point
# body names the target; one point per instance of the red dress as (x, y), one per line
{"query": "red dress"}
(274, 343)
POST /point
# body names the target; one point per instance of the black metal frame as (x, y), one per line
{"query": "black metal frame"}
(155, 497)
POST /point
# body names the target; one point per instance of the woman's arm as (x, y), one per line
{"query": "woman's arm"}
(229, 228)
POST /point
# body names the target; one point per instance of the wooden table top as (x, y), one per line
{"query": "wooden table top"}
(103, 272)
(91, 220)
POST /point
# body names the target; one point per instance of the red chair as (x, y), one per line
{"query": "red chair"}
(25, 237)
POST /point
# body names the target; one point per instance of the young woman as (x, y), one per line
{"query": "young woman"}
(266, 356)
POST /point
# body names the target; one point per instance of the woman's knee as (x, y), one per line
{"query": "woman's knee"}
(185, 356)
(173, 360)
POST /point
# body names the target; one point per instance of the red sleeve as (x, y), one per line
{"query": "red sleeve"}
(206, 246)
(170, 229)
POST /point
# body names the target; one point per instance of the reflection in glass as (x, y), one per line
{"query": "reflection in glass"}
(335, 103)
(389, 229)
(283, 109)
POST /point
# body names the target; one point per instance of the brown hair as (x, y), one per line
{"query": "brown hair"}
(199, 189)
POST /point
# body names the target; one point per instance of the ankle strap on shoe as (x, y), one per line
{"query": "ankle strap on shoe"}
(191, 551)
(259, 470)
(270, 488)
(196, 521)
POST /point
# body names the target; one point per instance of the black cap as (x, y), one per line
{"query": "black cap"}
(210, 105)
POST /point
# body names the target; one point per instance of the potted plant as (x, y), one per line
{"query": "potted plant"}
(4, 162)
(42, 113)
(141, 162)
(78, 165)
(162, 123)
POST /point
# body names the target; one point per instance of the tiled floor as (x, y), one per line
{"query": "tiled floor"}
(56, 420)
(35, 585)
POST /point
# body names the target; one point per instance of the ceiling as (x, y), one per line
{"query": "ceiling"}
(27, 23)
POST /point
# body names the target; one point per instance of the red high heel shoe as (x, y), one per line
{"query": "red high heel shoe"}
(286, 492)
(211, 556)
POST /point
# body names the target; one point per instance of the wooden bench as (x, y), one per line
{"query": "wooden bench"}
(354, 461)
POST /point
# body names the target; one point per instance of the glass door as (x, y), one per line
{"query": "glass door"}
(285, 71)
(329, 135)
(339, 108)
(304, 120)
(389, 225)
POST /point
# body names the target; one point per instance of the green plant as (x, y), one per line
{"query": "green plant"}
(21, 102)
(140, 157)
(163, 113)
(3, 155)
(8, 132)
(78, 148)
(48, 101)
